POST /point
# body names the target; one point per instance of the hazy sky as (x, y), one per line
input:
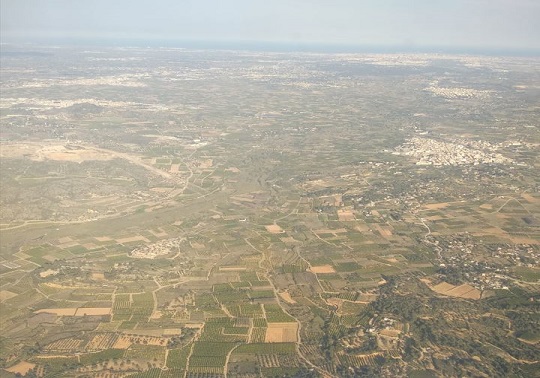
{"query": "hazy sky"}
(415, 23)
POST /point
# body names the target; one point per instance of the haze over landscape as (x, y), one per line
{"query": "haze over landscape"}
(247, 189)
(458, 24)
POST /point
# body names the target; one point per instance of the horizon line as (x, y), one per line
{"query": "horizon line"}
(272, 46)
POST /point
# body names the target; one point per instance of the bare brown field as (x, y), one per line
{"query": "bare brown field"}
(132, 239)
(5, 295)
(345, 215)
(461, 291)
(384, 231)
(287, 297)
(21, 368)
(281, 333)
(322, 269)
(174, 168)
(436, 206)
(274, 229)
(443, 287)
(529, 198)
(98, 276)
(123, 342)
(472, 294)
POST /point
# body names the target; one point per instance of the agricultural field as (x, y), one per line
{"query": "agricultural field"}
(196, 213)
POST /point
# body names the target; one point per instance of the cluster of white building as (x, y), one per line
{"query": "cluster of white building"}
(433, 152)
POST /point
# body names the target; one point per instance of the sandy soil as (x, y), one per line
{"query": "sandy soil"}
(281, 333)
(98, 276)
(22, 368)
(322, 269)
(274, 229)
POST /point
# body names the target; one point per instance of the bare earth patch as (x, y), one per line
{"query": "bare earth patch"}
(384, 231)
(5, 295)
(529, 198)
(287, 297)
(436, 206)
(461, 291)
(48, 272)
(322, 269)
(132, 239)
(281, 333)
(274, 229)
(21, 368)
(345, 215)
(123, 342)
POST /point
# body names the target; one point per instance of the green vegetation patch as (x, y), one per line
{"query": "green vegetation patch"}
(201, 348)
(152, 353)
(275, 314)
(347, 267)
(105, 355)
(266, 348)
(528, 274)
